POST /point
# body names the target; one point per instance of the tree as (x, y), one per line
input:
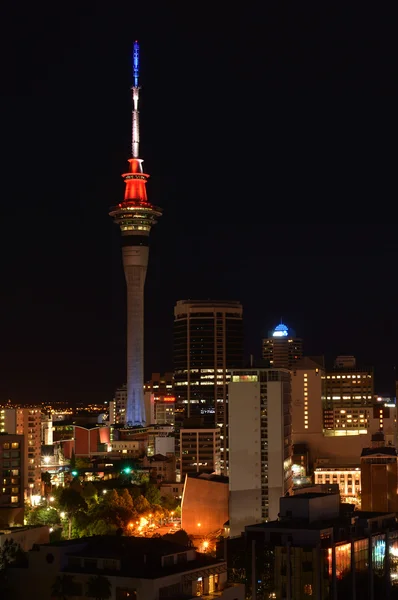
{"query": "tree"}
(152, 493)
(89, 492)
(11, 552)
(81, 462)
(72, 463)
(179, 537)
(99, 587)
(63, 586)
(169, 502)
(71, 502)
(41, 515)
(46, 478)
(142, 505)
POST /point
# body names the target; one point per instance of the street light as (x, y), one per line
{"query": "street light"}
(75, 473)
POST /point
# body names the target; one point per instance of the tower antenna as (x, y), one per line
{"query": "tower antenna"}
(135, 90)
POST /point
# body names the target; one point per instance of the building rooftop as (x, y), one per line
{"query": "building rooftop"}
(385, 450)
(136, 556)
(209, 477)
(308, 495)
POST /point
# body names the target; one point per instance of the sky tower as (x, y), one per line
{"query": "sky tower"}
(135, 217)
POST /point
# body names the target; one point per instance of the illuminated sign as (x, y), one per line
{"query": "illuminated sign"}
(169, 399)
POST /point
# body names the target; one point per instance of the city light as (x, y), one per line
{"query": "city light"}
(75, 473)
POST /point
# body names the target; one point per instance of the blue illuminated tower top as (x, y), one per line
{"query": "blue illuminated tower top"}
(136, 63)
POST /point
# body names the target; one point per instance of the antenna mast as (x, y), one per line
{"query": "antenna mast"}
(135, 93)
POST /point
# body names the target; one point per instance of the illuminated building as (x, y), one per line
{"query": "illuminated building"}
(199, 448)
(27, 422)
(313, 387)
(347, 398)
(379, 475)
(208, 342)
(82, 441)
(314, 546)
(117, 406)
(282, 349)
(204, 505)
(161, 467)
(165, 410)
(135, 217)
(160, 385)
(12, 468)
(348, 478)
(162, 388)
(260, 450)
(306, 397)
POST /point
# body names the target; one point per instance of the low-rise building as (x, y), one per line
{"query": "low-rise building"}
(136, 568)
(348, 478)
(315, 547)
(199, 448)
(25, 537)
(162, 468)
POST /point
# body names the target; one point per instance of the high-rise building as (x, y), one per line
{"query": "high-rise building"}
(282, 349)
(199, 448)
(306, 397)
(260, 445)
(334, 413)
(27, 422)
(12, 479)
(208, 342)
(347, 398)
(135, 216)
(379, 476)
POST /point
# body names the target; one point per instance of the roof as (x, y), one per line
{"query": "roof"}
(291, 524)
(309, 495)
(111, 546)
(364, 514)
(385, 450)
(209, 477)
(136, 557)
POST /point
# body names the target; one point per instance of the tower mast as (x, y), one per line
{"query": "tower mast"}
(135, 89)
(135, 217)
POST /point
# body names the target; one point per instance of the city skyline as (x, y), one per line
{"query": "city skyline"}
(63, 324)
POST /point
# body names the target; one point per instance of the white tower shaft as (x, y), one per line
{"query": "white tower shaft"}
(135, 261)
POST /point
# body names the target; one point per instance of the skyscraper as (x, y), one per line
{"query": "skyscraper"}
(260, 445)
(347, 398)
(208, 342)
(282, 349)
(135, 217)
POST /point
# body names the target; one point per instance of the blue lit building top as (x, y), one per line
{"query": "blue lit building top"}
(280, 331)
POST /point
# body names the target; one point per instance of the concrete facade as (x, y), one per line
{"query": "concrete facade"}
(260, 445)
(204, 505)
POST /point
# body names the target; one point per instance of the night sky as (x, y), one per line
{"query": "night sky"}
(271, 140)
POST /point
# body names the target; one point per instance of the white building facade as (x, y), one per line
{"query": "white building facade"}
(260, 445)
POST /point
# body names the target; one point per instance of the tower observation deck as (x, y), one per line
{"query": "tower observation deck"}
(135, 217)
